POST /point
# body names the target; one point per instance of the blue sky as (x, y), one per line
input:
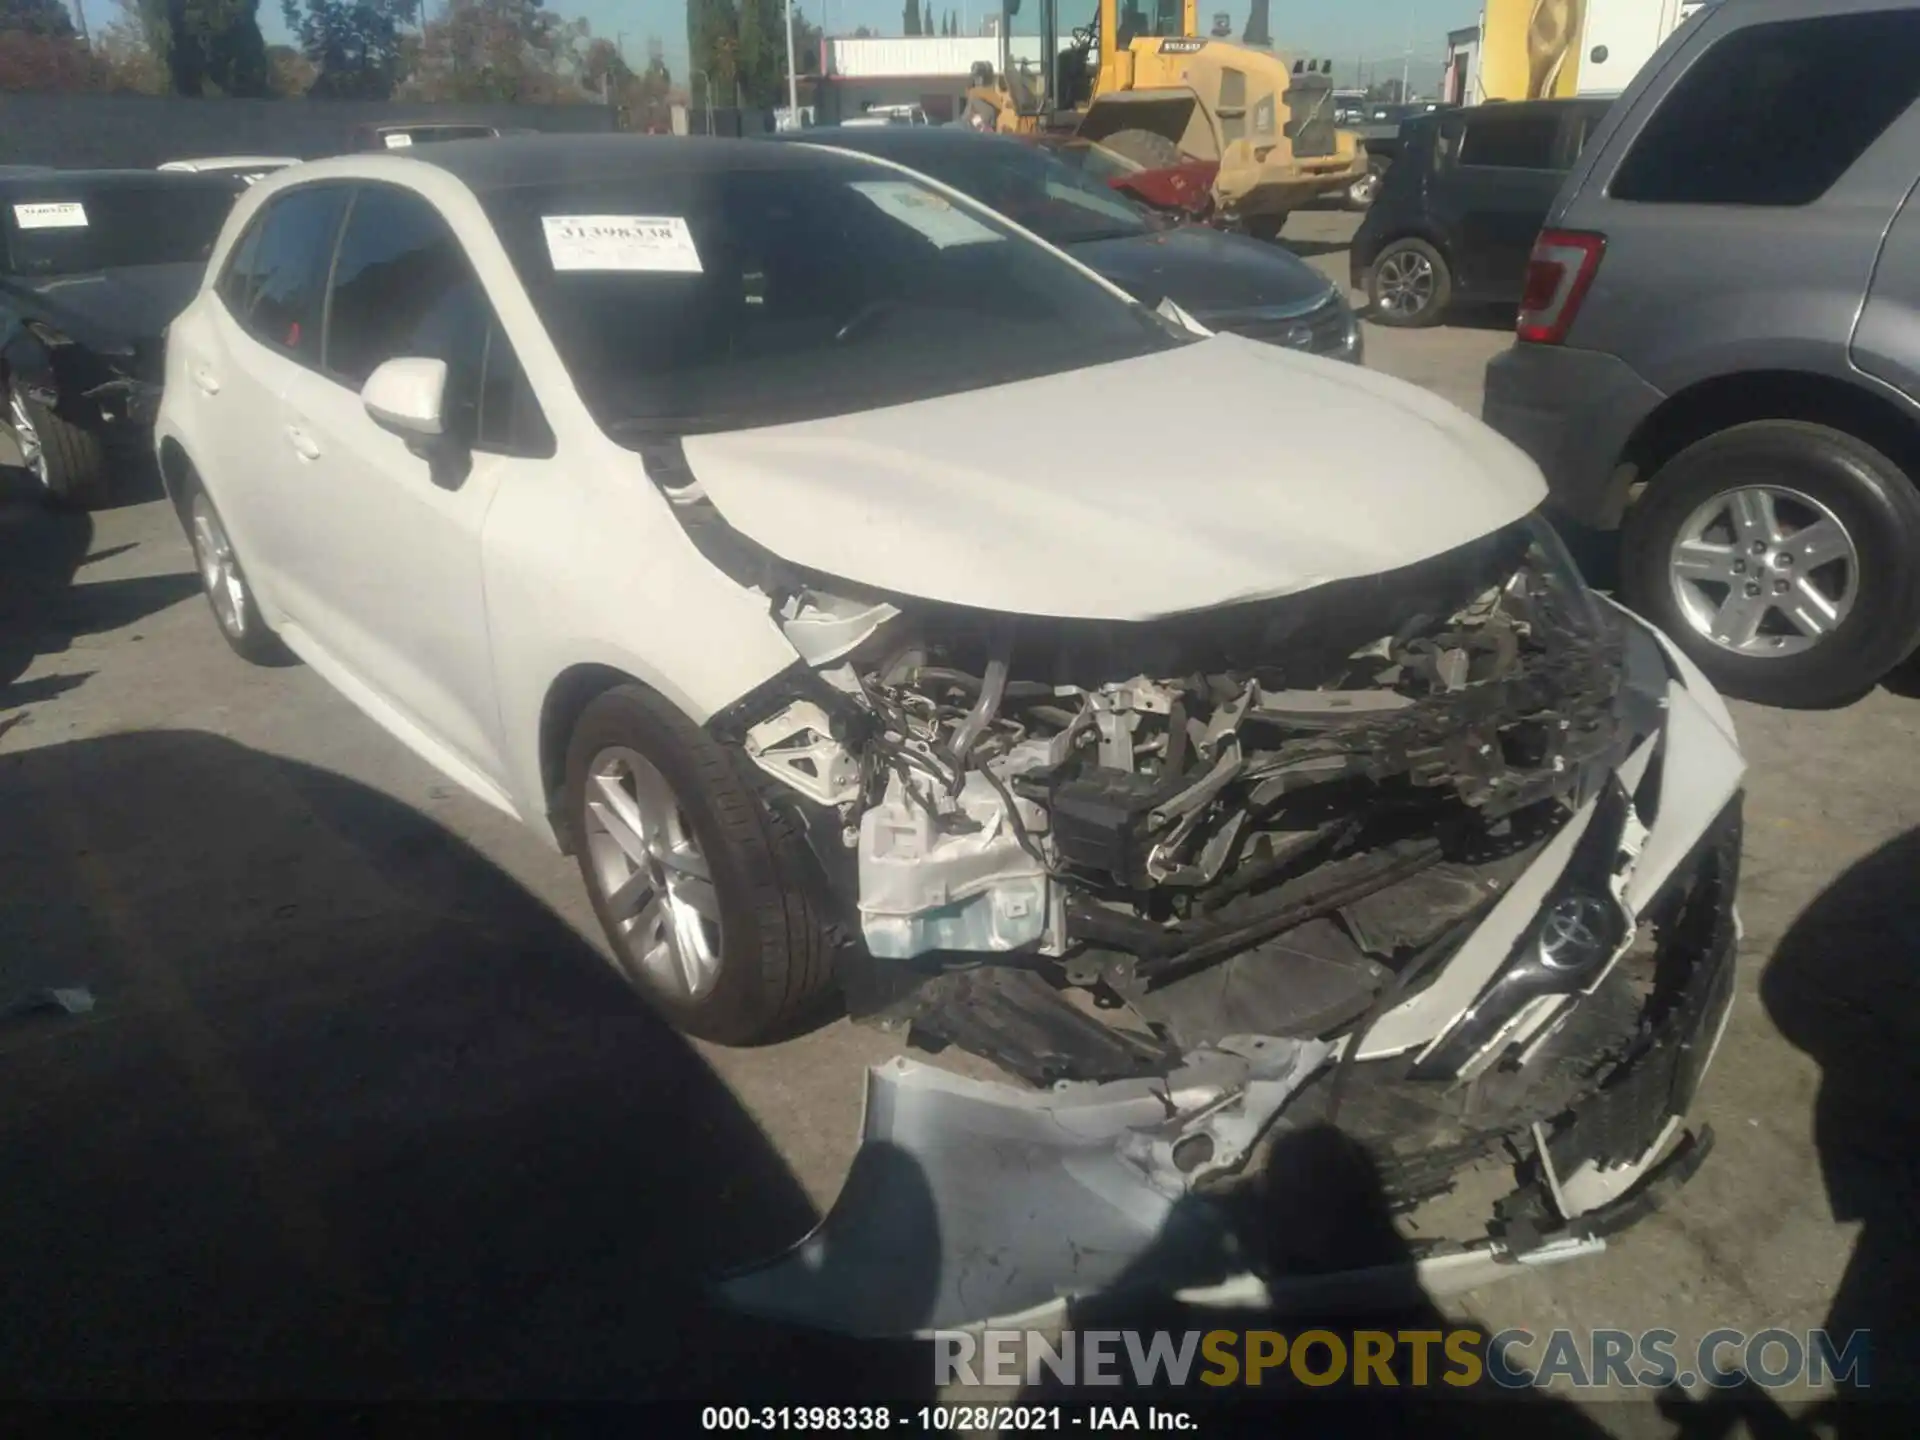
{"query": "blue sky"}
(1347, 31)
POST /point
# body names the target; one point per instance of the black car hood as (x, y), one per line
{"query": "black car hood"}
(1205, 272)
(110, 310)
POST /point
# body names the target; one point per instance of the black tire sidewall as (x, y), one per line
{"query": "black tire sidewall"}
(75, 459)
(1871, 497)
(744, 1002)
(1435, 309)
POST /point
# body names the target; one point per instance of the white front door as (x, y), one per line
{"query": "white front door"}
(393, 544)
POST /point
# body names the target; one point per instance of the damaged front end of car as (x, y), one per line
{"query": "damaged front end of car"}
(1444, 856)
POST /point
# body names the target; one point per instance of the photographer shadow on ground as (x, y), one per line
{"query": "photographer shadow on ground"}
(1318, 1209)
(353, 1116)
(1844, 988)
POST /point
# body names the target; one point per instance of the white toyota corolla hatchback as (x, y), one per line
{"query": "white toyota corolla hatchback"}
(873, 599)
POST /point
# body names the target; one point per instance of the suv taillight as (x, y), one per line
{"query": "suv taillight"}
(1559, 271)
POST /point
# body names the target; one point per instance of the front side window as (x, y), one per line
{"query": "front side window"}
(1506, 141)
(403, 286)
(1775, 114)
(71, 228)
(712, 299)
(286, 278)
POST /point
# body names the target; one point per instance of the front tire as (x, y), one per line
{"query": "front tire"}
(707, 895)
(1409, 285)
(69, 463)
(1780, 556)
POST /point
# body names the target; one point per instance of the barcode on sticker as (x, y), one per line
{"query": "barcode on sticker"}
(621, 242)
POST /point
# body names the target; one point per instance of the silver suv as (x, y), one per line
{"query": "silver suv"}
(1718, 350)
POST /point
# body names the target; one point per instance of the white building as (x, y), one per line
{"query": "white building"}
(931, 71)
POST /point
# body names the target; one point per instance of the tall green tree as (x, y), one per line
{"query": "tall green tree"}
(208, 46)
(713, 44)
(926, 18)
(354, 46)
(910, 18)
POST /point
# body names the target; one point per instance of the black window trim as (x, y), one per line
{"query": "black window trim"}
(495, 327)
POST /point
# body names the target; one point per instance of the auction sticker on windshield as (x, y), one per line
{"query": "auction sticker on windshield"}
(925, 212)
(51, 215)
(399, 140)
(621, 242)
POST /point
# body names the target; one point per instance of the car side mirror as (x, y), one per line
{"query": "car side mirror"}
(404, 395)
(407, 396)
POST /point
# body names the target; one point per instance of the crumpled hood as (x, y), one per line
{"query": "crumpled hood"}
(1204, 271)
(1215, 472)
(112, 309)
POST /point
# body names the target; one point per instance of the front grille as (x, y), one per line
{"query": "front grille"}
(1320, 331)
(1310, 117)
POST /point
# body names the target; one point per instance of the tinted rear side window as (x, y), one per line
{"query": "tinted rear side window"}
(1775, 114)
(1520, 141)
(289, 269)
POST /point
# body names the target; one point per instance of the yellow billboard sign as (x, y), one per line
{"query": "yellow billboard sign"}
(1530, 49)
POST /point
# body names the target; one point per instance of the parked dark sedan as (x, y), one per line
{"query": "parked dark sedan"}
(1458, 210)
(1227, 282)
(94, 264)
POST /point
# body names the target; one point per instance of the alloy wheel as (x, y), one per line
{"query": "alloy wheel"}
(653, 878)
(26, 436)
(1405, 281)
(1763, 570)
(220, 573)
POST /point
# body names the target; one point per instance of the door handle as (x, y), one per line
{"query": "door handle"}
(205, 379)
(304, 445)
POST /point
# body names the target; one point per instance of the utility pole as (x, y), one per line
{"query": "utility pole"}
(793, 80)
(706, 85)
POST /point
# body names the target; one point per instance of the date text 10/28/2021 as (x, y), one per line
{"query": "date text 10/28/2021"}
(1096, 1419)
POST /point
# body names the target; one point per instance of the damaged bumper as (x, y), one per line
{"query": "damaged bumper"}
(1564, 1020)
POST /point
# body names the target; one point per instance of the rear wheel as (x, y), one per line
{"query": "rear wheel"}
(1144, 147)
(69, 463)
(1780, 556)
(1409, 284)
(226, 587)
(703, 889)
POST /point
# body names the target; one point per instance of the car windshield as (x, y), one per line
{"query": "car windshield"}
(75, 229)
(1059, 202)
(720, 299)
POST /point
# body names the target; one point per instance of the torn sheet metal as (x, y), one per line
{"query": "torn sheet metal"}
(971, 1201)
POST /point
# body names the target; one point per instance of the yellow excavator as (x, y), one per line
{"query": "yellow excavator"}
(1149, 88)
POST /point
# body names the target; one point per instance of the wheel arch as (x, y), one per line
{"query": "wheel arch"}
(566, 699)
(1718, 404)
(178, 474)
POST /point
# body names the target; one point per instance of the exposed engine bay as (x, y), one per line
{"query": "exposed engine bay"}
(1139, 803)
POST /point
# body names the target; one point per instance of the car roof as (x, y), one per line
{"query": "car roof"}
(516, 160)
(899, 142)
(72, 180)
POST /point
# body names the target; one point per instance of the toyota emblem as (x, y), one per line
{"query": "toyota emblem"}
(1574, 933)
